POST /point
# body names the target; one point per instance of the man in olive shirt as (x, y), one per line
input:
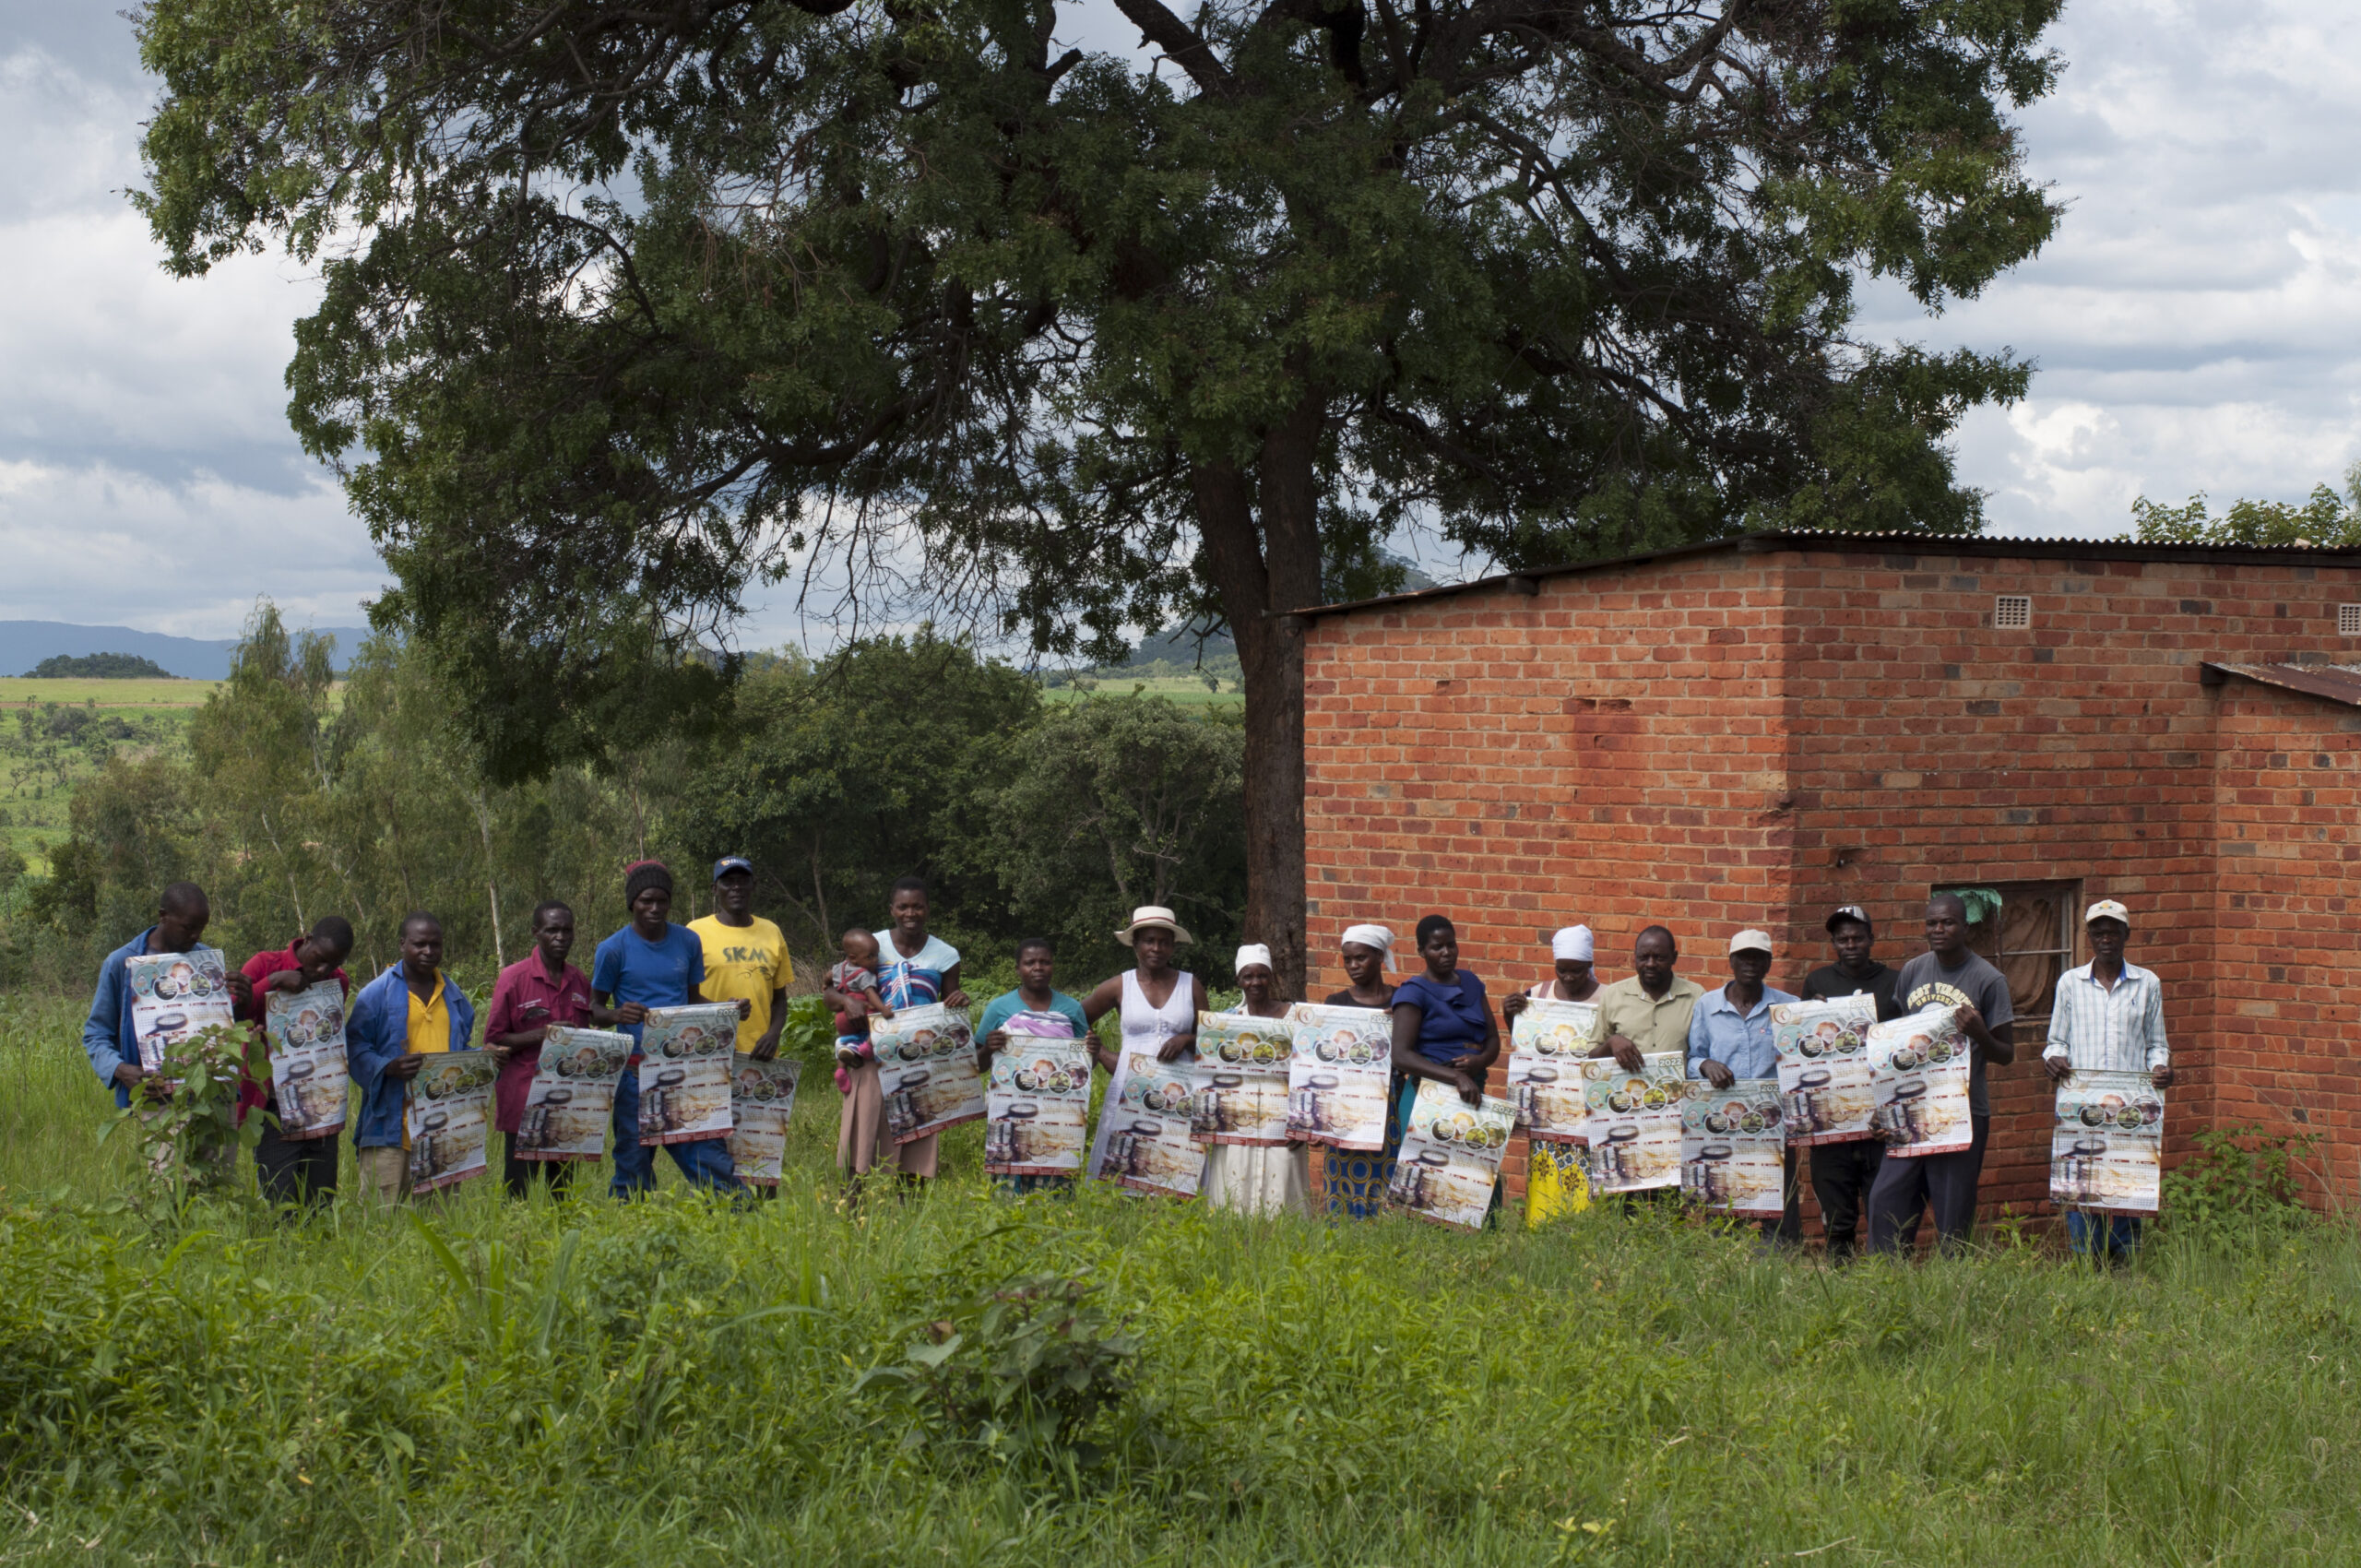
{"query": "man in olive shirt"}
(1950, 975)
(1647, 1014)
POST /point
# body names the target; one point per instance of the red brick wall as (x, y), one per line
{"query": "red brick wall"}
(1752, 737)
(2287, 809)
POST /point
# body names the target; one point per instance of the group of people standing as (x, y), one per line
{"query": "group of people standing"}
(2107, 1015)
(414, 1011)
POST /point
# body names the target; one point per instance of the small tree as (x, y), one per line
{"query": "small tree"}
(190, 1134)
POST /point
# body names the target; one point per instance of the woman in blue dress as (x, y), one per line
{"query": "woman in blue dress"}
(1443, 1030)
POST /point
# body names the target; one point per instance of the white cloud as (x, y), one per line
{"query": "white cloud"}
(148, 477)
(104, 545)
(2197, 320)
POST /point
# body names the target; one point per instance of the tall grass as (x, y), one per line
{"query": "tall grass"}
(674, 1381)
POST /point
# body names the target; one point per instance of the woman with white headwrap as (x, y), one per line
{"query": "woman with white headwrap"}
(1354, 1179)
(1239, 1176)
(1555, 1181)
(1368, 954)
(1571, 953)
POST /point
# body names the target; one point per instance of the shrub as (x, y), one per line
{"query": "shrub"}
(1015, 1372)
(2240, 1183)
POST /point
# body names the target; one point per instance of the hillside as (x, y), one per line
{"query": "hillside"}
(24, 644)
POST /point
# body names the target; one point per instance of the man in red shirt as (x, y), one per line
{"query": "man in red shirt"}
(294, 1170)
(529, 996)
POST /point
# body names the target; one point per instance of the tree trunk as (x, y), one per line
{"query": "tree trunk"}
(287, 869)
(1257, 571)
(482, 808)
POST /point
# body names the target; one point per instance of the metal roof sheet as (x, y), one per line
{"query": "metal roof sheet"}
(2337, 683)
(1989, 546)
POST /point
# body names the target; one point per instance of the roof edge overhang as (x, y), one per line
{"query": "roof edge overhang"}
(1984, 546)
(2333, 683)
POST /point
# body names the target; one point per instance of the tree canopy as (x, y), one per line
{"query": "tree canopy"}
(98, 667)
(2326, 518)
(631, 305)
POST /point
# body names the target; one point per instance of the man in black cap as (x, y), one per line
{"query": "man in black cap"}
(1843, 1173)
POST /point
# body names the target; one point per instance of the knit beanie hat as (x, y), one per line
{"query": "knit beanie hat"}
(641, 875)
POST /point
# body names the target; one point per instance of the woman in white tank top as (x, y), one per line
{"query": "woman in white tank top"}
(1146, 1025)
(1166, 1029)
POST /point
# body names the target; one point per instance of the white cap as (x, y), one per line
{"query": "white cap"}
(2106, 909)
(1376, 936)
(1751, 942)
(1571, 942)
(1253, 953)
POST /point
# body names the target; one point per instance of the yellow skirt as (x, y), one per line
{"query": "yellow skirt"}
(1555, 1183)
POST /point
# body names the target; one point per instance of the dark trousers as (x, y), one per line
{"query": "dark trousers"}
(1787, 1230)
(294, 1170)
(2112, 1238)
(1842, 1175)
(704, 1164)
(1944, 1183)
(518, 1173)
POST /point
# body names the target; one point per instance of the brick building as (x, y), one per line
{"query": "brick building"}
(1751, 733)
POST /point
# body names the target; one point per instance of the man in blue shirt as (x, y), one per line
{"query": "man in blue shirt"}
(110, 1036)
(1729, 1038)
(652, 963)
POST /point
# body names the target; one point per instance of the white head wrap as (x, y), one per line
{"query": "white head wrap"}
(1375, 936)
(1571, 942)
(1253, 953)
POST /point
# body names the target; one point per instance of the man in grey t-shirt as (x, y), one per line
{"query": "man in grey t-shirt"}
(1948, 973)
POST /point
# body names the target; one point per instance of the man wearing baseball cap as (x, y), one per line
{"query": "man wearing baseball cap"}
(1841, 1174)
(745, 957)
(1729, 1038)
(2109, 1017)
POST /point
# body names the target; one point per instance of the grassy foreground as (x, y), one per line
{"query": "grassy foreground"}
(675, 1382)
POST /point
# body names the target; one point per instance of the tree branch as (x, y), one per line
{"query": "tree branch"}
(1180, 45)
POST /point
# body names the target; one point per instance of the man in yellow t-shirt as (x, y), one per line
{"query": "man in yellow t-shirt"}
(745, 957)
(408, 1013)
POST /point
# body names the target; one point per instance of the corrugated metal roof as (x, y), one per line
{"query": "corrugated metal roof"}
(2337, 683)
(1989, 546)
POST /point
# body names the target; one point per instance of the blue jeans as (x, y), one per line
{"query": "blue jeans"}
(2115, 1235)
(705, 1164)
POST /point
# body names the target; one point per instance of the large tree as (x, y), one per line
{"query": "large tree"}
(632, 302)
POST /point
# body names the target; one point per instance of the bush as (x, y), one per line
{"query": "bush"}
(2240, 1184)
(1014, 1374)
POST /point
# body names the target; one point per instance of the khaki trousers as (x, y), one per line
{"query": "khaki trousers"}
(384, 1174)
(862, 1141)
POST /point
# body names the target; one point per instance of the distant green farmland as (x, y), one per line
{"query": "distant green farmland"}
(1189, 690)
(55, 733)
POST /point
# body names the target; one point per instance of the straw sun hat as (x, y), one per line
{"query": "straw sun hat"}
(1153, 917)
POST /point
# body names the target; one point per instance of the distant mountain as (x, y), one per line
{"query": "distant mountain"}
(24, 644)
(1180, 646)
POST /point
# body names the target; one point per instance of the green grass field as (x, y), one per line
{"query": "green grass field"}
(671, 1382)
(1187, 690)
(16, 690)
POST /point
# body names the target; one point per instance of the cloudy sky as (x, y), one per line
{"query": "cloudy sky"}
(2197, 321)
